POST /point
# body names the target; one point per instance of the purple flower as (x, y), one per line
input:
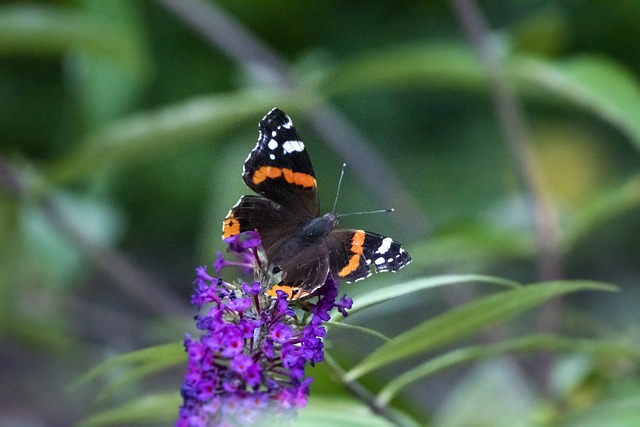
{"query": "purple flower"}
(241, 363)
(268, 349)
(247, 327)
(195, 349)
(240, 304)
(280, 332)
(249, 363)
(344, 304)
(252, 289)
(240, 244)
(253, 375)
(232, 341)
(220, 262)
(244, 247)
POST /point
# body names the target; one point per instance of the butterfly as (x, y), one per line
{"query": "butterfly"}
(302, 247)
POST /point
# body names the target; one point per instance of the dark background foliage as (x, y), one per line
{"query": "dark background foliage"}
(123, 128)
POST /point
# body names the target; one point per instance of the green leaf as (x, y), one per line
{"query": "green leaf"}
(103, 42)
(529, 343)
(476, 243)
(323, 411)
(603, 209)
(618, 413)
(466, 320)
(544, 32)
(136, 364)
(107, 86)
(160, 408)
(14, 260)
(136, 138)
(492, 394)
(595, 83)
(433, 63)
(320, 411)
(356, 328)
(394, 291)
(49, 335)
(59, 259)
(46, 30)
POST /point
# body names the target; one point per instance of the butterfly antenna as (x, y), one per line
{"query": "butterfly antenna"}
(367, 212)
(335, 202)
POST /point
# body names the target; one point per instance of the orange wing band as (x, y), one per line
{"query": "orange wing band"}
(292, 293)
(271, 172)
(356, 248)
(230, 226)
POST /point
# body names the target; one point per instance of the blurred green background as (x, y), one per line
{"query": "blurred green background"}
(124, 125)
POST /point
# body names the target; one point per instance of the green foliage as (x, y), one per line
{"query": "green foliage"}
(148, 409)
(406, 288)
(596, 84)
(463, 321)
(122, 135)
(135, 366)
(527, 343)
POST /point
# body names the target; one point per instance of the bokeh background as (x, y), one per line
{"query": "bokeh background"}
(124, 126)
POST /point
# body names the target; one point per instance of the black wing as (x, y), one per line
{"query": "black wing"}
(303, 272)
(353, 252)
(273, 222)
(298, 268)
(279, 167)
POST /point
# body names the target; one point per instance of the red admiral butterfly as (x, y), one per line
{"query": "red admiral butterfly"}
(301, 246)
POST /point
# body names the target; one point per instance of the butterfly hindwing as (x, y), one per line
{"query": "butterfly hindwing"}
(352, 253)
(304, 271)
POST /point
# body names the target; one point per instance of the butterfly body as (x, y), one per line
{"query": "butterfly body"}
(302, 247)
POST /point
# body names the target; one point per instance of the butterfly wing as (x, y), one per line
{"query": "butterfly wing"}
(303, 272)
(300, 268)
(353, 252)
(273, 222)
(279, 167)
(280, 171)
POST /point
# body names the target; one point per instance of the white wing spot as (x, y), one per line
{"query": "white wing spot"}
(379, 260)
(289, 123)
(274, 133)
(385, 245)
(273, 144)
(272, 157)
(291, 146)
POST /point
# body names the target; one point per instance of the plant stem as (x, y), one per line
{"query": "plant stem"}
(543, 215)
(365, 395)
(132, 280)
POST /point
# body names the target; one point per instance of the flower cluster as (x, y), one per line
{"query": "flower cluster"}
(250, 360)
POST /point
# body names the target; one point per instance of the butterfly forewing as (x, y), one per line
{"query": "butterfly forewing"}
(279, 167)
(274, 223)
